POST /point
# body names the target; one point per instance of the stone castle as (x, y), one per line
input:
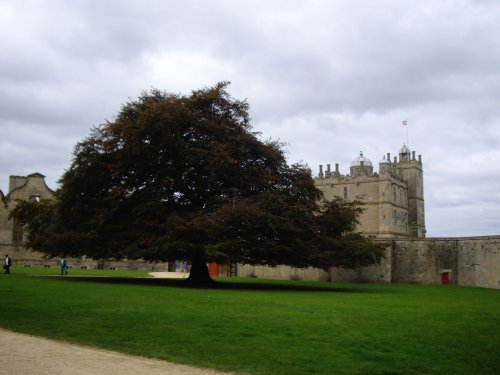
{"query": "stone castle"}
(393, 199)
(393, 202)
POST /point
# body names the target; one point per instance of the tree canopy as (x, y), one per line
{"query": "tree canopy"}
(178, 177)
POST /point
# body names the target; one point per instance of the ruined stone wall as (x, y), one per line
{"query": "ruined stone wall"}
(21, 188)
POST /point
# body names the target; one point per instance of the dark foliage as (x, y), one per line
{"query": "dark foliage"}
(184, 177)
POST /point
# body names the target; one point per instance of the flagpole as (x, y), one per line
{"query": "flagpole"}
(407, 140)
(405, 124)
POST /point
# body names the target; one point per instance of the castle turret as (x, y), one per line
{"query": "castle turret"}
(384, 166)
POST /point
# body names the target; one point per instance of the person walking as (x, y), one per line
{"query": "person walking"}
(64, 266)
(7, 263)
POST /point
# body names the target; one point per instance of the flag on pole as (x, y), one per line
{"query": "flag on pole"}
(405, 122)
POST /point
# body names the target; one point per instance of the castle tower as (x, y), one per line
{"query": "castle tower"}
(410, 169)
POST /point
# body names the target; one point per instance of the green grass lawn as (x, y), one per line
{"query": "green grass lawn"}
(263, 327)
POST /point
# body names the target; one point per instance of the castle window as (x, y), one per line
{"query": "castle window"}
(17, 233)
(345, 192)
(35, 198)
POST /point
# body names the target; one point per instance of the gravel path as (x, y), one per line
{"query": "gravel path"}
(22, 354)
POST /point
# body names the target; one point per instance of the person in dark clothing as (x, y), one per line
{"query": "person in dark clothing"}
(6, 264)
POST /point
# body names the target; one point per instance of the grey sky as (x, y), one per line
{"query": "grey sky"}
(329, 78)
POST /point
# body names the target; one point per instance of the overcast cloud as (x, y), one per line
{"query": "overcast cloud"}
(329, 78)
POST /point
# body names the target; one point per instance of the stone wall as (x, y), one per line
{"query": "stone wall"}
(479, 262)
(25, 257)
(421, 261)
(380, 273)
(283, 272)
(468, 261)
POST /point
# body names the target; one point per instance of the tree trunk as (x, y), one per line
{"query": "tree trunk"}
(198, 274)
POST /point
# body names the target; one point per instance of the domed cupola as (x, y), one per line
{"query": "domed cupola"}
(384, 161)
(361, 161)
(361, 166)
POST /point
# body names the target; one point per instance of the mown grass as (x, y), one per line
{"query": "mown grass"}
(265, 327)
(56, 271)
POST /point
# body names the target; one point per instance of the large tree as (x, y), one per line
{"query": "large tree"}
(178, 177)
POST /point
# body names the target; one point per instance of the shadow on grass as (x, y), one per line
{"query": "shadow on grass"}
(215, 285)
